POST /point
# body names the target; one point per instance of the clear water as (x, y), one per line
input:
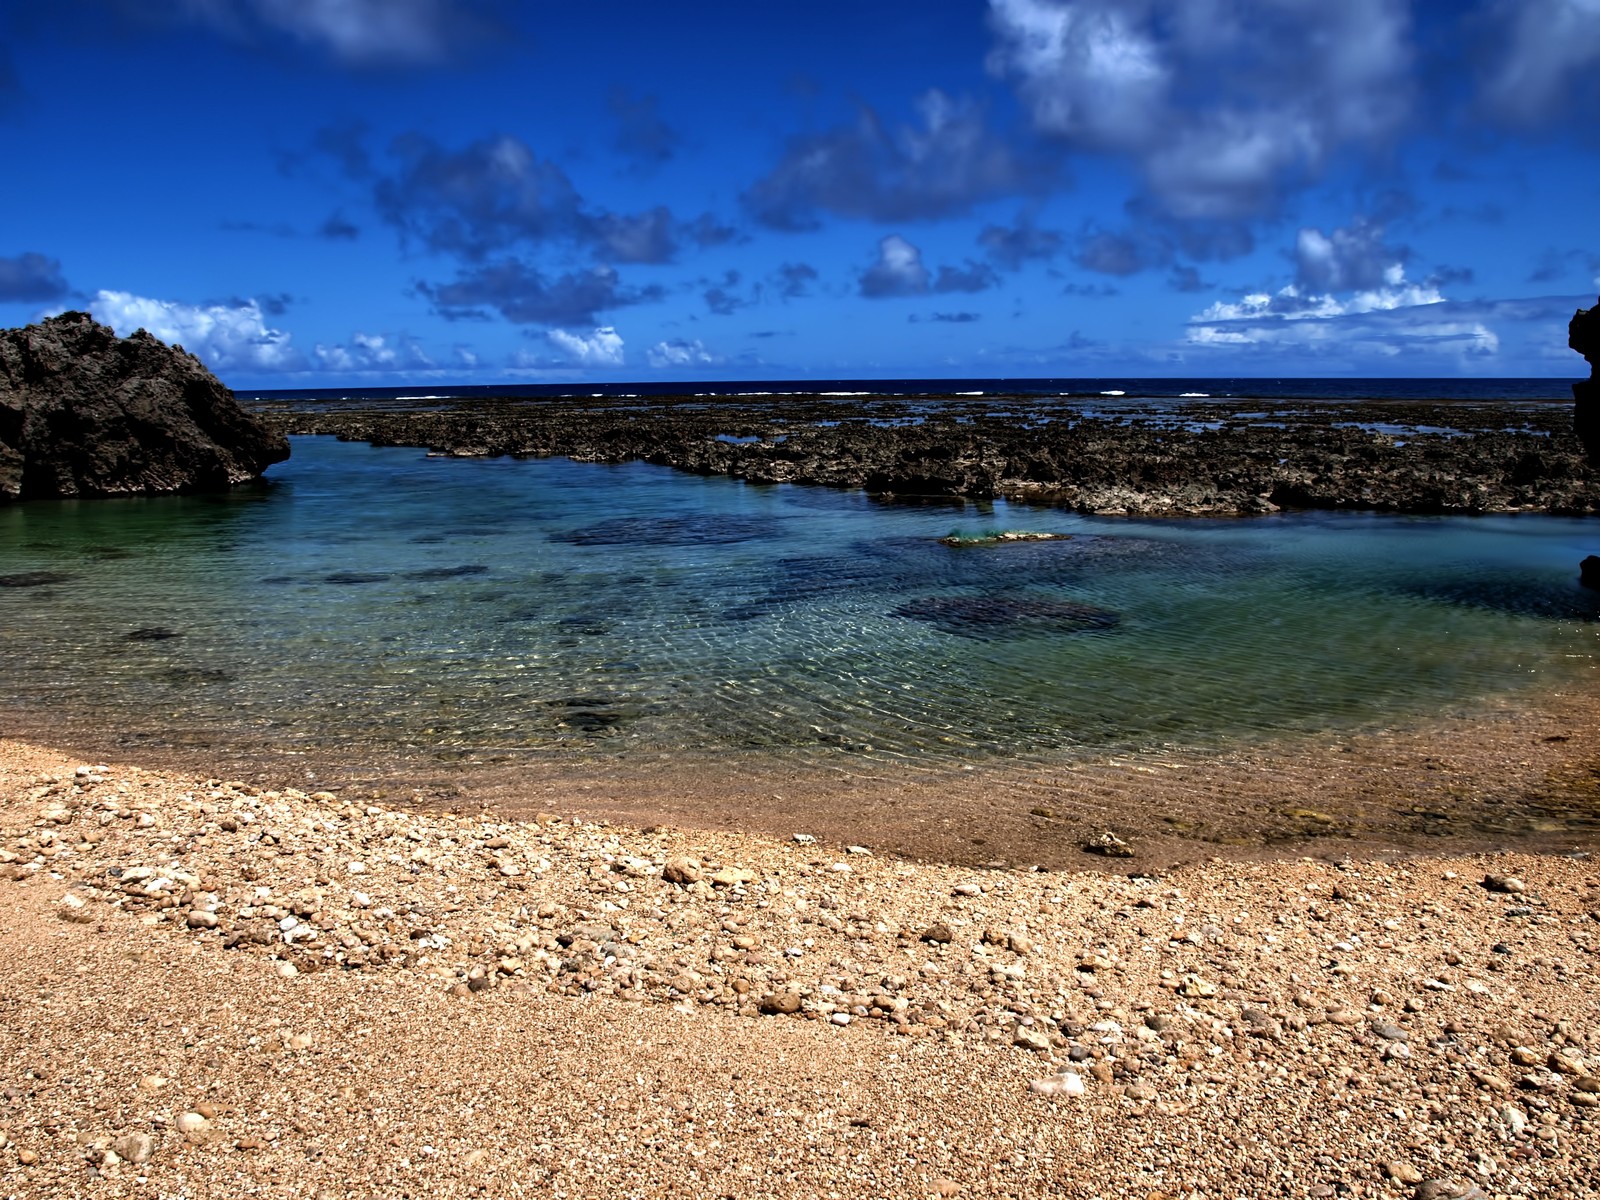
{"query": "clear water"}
(461, 608)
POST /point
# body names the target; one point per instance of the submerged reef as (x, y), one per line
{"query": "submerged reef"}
(86, 413)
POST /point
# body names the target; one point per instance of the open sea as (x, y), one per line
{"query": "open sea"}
(364, 599)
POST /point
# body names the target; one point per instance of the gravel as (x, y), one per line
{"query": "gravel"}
(205, 997)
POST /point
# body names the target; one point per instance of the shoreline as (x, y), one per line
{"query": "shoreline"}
(566, 1008)
(1518, 771)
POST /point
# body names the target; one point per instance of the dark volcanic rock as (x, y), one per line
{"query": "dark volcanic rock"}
(86, 413)
(1583, 335)
(1213, 458)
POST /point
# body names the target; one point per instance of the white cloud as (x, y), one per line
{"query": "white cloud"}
(224, 337)
(681, 353)
(898, 271)
(373, 352)
(1386, 321)
(1222, 105)
(602, 348)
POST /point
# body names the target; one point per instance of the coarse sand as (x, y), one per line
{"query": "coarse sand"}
(214, 990)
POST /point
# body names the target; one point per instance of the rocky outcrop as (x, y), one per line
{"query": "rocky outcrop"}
(86, 413)
(1583, 335)
(1214, 459)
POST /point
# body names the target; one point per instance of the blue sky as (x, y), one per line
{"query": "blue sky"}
(314, 192)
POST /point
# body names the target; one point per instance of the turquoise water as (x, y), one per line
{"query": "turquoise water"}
(381, 598)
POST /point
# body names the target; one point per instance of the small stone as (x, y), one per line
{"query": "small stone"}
(780, 1003)
(285, 970)
(681, 871)
(1196, 988)
(1508, 885)
(1020, 943)
(153, 1083)
(840, 1018)
(732, 876)
(27, 1157)
(1403, 1172)
(1108, 845)
(946, 1187)
(74, 909)
(1029, 1038)
(200, 919)
(1390, 1033)
(966, 889)
(191, 1122)
(300, 1041)
(1446, 1189)
(939, 934)
(1068, 1083)
(134, 1147)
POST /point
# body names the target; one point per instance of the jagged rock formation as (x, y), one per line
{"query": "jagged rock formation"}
(86, 413)
(1583, 335)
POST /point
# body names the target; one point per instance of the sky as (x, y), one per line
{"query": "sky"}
(320, 193)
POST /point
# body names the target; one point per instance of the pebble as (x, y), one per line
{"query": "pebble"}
(135, 1148)
(191, 1122)
(1029, 1038)
(1508, 885)
(1068, 1083)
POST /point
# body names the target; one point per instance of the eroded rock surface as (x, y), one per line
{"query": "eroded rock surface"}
(1583, 335)
(1225, 457)
(86, 413)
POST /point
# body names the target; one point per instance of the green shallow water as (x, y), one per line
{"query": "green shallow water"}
(378, 598)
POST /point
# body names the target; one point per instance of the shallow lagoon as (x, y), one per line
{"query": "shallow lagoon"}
(373, 598)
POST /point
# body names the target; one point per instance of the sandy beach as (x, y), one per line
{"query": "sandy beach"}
(215, 990)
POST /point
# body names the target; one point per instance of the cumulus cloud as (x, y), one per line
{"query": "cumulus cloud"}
(224, 336)
(722, 299)
(900, 271)
(1217, 103)
(1541, 57)
(31, 279)
(488, 196)
(1010, 246)
(602, 348)
(1378, 315)
(1345, 259)
(363, 33)
(525, 296)
(681, 353)
(373, 353)
(497, 193)
(943, 165)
